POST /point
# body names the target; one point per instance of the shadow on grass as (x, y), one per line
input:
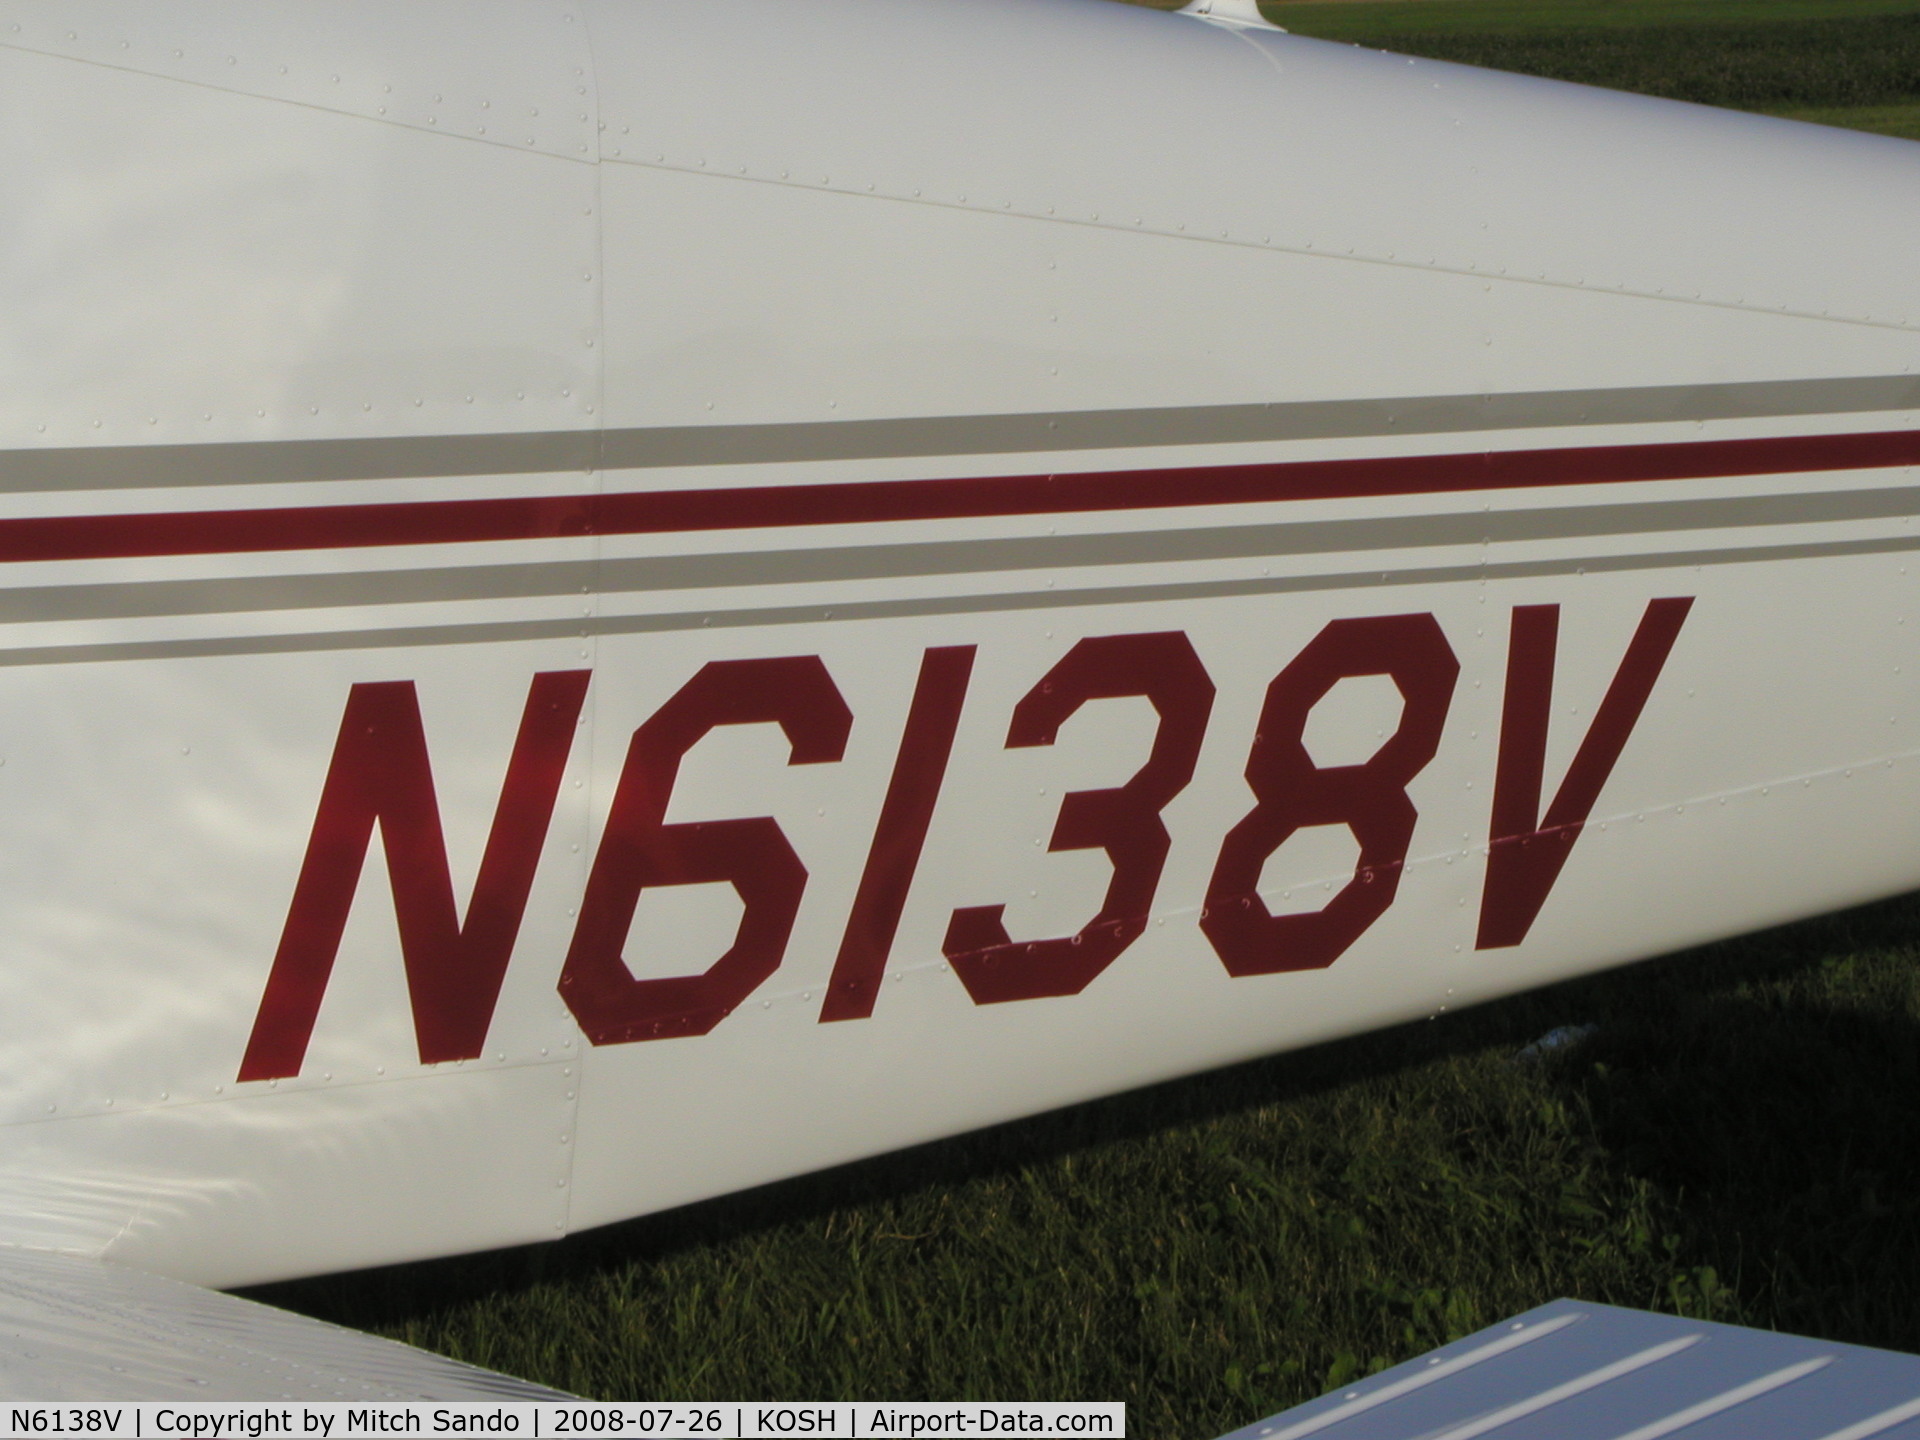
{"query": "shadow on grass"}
(1765, 1087)
(1781, 1117)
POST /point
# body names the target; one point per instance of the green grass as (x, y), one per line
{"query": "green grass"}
(1351, 21)
(1900, 120)
(1858, 61)
(1853, 63)
(1738, 1142)
(1348, 20)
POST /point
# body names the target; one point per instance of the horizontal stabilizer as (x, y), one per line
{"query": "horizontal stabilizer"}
(78, 1329)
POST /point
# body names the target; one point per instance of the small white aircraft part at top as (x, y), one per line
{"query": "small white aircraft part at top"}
(609, 600)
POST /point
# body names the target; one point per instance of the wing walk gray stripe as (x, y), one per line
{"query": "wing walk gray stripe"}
(1877, 1424)
(1436, 1371)
(1579, 1385)
(507, 631)
(939, 557)
(1727, 1400)
(555, 451)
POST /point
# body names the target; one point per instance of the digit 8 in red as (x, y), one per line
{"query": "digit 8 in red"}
(1292, 793)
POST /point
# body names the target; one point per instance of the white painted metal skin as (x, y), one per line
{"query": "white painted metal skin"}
(74, 1328)
(269, 269)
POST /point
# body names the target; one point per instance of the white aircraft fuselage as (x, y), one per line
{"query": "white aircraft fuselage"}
(606, 601)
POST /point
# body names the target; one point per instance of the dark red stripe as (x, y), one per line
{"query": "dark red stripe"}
(441, 522)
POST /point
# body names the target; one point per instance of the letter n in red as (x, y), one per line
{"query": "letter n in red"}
(1527, 851)
(380, 772)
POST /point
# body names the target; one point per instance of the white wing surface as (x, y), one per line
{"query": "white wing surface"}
(78, 1329)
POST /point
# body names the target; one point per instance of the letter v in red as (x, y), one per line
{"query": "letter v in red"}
(1527, 851)
(380, 772)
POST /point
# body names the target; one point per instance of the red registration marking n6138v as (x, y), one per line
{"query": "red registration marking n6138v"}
(380, 775)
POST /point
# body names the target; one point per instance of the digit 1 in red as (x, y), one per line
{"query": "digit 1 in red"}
(925, 746)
